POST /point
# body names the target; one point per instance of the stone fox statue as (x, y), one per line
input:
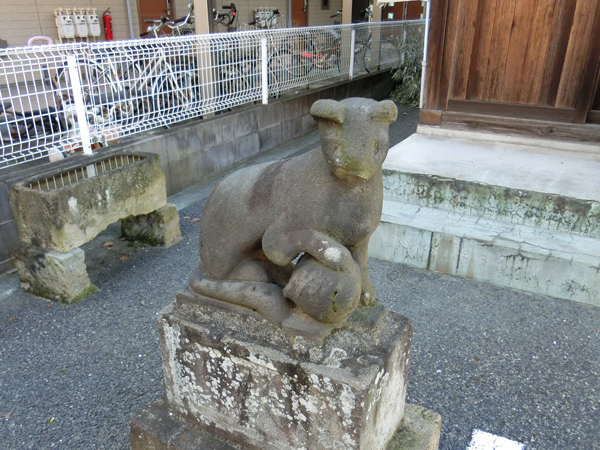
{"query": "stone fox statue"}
(294, 233)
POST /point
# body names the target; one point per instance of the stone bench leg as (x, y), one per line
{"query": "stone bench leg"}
(60, 277)
(160, 227)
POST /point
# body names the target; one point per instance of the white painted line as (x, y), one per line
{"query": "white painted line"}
(486, 441)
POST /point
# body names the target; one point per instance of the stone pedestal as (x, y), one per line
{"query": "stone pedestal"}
(241, 382)
(160, 227)
(60, 277)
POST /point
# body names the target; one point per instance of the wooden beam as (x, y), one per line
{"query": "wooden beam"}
(512, 110)
(430, 117)
(586, 133)
(437, 30)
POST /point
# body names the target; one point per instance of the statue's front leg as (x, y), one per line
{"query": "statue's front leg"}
(360, 254)
(282, 247)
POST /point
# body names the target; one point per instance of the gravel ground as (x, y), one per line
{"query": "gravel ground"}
(513, 364)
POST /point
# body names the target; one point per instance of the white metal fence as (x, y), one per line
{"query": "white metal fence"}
(58, 98)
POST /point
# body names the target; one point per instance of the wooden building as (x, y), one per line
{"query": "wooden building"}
(528, 67)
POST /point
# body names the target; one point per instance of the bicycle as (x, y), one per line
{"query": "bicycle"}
(225, 22)
(178, 27)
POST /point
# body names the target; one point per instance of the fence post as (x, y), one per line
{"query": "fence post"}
(265, 75)
(352, 50)
(84, 131)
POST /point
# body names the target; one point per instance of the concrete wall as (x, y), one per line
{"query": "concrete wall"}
(199, 150)
(26, 18)
(318, 16)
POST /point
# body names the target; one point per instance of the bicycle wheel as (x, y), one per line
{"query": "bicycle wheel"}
(175, 90)
(292, 63)
(389, 55)
(362, 58)
(95, 80)
(287, 70)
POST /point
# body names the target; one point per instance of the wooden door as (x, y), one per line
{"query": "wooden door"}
(299, 13)
(154, 9)
(487, 56)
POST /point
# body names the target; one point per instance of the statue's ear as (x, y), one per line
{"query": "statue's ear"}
(328, 110)
(385, 111)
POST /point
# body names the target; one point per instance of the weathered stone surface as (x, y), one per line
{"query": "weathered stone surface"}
(160, 227)
(420, 430)
(62, 219)
(156, 427)
(536, 186)
(556, 264)
(60, 277)
(291, 236)
(244, 380)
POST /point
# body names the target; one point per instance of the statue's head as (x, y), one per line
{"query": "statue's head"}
(354, 134)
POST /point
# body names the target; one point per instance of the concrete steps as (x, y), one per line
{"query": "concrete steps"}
(517, 216)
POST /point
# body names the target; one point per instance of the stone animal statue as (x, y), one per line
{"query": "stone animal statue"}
(294, 234)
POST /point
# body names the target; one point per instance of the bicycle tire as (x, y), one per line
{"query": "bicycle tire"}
(389, 55)
(94, 79)
(294, 63)
(236, 80)
(175, 90)
(362, 58)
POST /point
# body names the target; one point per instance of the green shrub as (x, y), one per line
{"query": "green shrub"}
(407, 75)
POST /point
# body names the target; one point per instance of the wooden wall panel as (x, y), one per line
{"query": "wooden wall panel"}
(524, 55)
(503, 21)
(538, 51)
(463, 45)
(482, 51)
(577, 53)
(520, 33)
(589, 81)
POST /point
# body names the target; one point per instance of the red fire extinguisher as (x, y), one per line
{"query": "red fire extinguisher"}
(107, 24)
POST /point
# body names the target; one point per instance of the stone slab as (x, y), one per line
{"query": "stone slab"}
(249, 383)
(156, 427)
(556, 264)
(535, 186)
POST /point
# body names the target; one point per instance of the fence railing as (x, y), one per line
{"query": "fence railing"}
(58, 98)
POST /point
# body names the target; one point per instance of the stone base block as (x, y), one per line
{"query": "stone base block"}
(60, 277)
(247, 382)
(158, 428)
(160, 227)
(420, 430)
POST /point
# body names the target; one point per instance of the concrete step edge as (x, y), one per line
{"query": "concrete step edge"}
(547, 263)
(548, 211)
